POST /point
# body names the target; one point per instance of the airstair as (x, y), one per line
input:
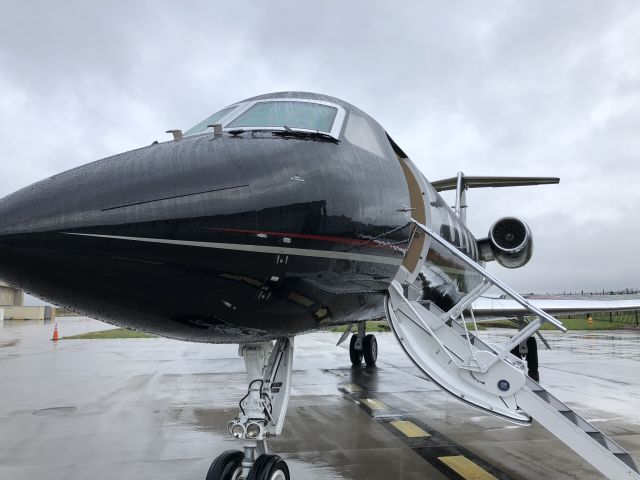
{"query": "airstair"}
(486, 375)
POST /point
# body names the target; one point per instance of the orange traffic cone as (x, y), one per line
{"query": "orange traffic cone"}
(55, 333)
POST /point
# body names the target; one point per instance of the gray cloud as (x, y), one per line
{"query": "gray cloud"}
(531, 88)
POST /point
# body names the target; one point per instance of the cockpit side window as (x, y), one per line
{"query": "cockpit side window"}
(359, 133)
(212, 120)
(303, 115)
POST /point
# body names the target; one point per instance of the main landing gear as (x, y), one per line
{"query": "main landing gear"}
(363, 346)
(262, 414)
(529, 351)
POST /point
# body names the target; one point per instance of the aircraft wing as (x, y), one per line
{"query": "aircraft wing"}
(493, 182)
(556, 305)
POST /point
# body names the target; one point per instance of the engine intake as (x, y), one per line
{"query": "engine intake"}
(509, 243)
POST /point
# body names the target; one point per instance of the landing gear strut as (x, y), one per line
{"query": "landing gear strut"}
(363, 346)
(262, 413)
(529, 351)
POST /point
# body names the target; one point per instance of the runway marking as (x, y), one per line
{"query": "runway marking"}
(452, 460)
(352, 387)
(466, 468)
(410, 429)
(374, 404)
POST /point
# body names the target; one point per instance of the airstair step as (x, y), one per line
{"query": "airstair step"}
(558, 405)
(600, 438)
(533, 385)
(571, 416)
(580, 422)
(547, 397)
(585, 426)
(627, 459)
(543, 394)
(431, 320)
(612, 446)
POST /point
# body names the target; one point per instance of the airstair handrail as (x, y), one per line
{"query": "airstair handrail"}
(544, 316)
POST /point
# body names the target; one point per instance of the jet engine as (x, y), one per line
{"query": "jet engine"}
(509, 243)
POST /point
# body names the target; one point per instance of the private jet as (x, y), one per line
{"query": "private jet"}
(284, 214)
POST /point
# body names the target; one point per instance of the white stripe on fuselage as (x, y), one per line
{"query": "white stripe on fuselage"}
(303, 252)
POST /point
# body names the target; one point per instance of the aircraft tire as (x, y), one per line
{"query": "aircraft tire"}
(532, 359)
(355, 355)
(269, 467)
(228, 466)
(370, 350)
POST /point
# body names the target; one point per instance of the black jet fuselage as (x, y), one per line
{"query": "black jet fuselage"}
(235, 237)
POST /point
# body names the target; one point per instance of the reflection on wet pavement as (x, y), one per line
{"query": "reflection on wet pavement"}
(157, 408)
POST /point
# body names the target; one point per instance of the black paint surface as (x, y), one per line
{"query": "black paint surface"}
(243, 202)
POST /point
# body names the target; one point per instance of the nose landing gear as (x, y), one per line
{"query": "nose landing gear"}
(363, 346)
(228, 466)
(262, 414)
(269, 467)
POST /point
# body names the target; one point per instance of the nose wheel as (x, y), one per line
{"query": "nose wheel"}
(269, 467)
(228, 466)
(363, 346)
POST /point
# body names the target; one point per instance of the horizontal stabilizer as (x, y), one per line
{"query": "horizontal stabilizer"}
(485, 182)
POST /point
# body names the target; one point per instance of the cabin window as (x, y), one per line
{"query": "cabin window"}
(212, 120)
(359, 133)
(302, 115)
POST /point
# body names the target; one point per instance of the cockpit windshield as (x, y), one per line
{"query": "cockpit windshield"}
(293, 114)
(213, 119)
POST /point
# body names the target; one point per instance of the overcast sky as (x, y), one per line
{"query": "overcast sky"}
(488, 88)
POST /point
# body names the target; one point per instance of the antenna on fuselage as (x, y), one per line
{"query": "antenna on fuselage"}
(177, 134)
(217, 129)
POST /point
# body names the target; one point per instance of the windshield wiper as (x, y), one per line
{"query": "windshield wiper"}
(287, 132)
(240, 131)
(307, 135)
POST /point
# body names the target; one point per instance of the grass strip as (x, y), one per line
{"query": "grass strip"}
(109, 334)
(373, 326)
(572, 324)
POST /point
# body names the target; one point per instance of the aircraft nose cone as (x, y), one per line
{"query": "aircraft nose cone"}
(64, 238)
(27, 249)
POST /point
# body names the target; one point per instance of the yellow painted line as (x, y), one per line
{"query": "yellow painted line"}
(352, 387)
(374, 404)
(466, 468)
(410, 429)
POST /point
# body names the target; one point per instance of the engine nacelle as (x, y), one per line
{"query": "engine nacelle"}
(509, 243)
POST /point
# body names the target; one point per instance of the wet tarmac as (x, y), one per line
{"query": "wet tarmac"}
(157, 408)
